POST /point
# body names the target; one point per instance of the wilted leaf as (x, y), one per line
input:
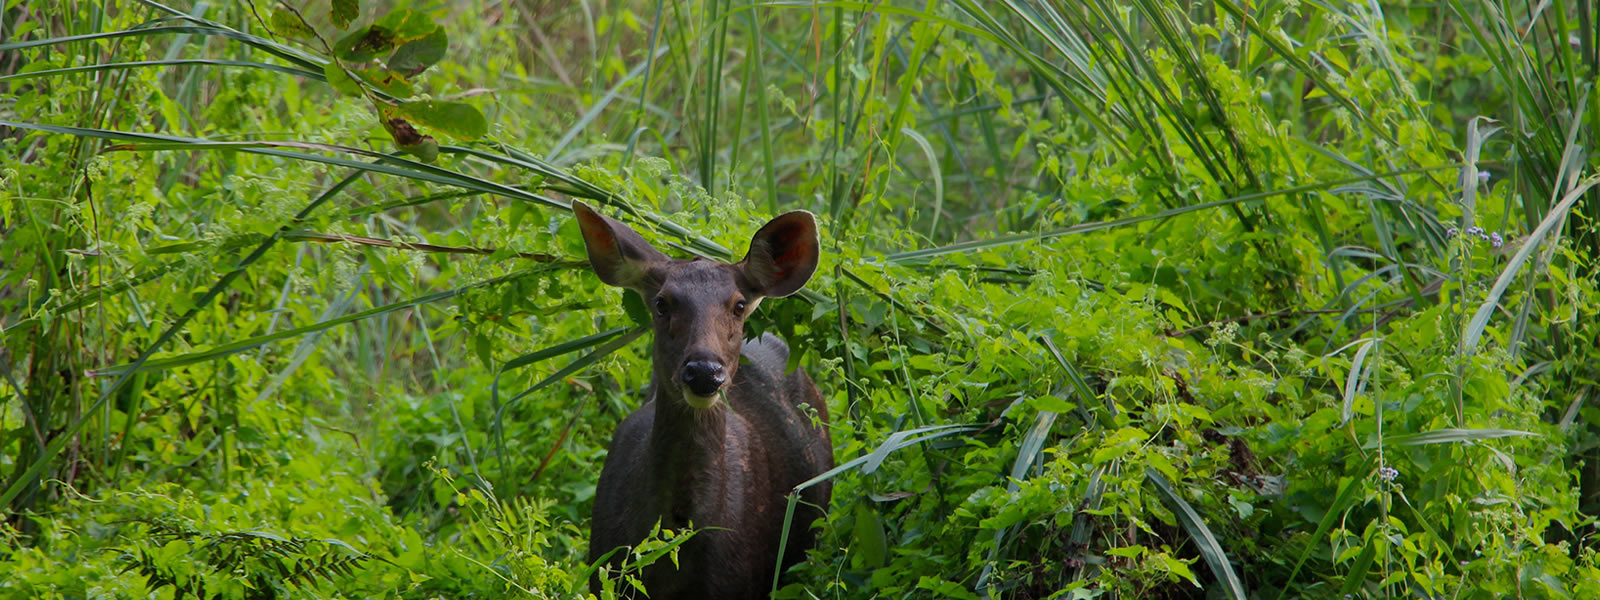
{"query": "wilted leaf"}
(287, 24)
(406, 137)
(365, 43)
(387, 81)
(404, 134)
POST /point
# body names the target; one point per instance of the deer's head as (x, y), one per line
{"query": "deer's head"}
(699, 306)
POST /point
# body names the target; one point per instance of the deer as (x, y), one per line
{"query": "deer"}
(725, 433)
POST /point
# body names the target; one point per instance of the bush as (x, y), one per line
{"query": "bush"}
(1122, 299)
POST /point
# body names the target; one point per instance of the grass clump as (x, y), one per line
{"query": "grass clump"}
(1118, 298)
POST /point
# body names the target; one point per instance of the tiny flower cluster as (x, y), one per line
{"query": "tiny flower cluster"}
(1494, 238)
(1388, 473)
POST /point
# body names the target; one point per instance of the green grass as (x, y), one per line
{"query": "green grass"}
(1119, 299)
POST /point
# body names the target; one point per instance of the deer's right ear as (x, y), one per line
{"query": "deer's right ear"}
(617, 254)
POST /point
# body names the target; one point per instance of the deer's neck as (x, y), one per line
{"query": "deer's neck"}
(689, 449)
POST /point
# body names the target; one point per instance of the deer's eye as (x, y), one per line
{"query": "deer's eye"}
(739, 307)
(661, 306)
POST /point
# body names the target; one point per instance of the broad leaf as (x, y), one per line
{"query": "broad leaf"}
(455, 119)
(416, 56)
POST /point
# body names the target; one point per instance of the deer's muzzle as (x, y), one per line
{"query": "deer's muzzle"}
(703, 378)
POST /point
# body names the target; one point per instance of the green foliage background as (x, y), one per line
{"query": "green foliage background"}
(1119, 298)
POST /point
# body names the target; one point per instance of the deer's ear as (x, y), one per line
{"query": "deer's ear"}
(617, 254)
(783, 254)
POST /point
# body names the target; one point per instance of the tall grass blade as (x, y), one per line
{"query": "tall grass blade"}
(1343, 501)
(180, 62)
(581, 363)
(556, 151)
(1210, 549)
(1356, 380)
(1450, 435)
(974, 245)
(1558, 213)
(261, 340)
(935, 171)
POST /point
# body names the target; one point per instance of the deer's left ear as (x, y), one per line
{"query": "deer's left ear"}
(783, 254)
(616, 252)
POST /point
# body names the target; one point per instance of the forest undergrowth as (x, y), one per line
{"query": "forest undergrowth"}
(1118, 298)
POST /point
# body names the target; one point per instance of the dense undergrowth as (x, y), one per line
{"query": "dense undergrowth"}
(1122, 299)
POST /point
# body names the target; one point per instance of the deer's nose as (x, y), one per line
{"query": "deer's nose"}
(704, 377)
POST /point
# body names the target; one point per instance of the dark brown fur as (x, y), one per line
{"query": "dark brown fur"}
(725, 469)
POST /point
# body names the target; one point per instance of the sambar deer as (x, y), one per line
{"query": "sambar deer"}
(720, 442)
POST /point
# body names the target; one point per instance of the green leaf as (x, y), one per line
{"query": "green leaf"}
(1050, 403)
(635, 308)
(1177, 567)
(871, 542)
(578, 364)
(342, 12)
(896, 441)
(408, 25)
(484, 350)
(916, 256)
(341, 80)
(933, 168)
(172, 550)
(455, 119)
(1134, 551)
(1104, 418)
(1032, 447)
(416, 56)
(426, 150)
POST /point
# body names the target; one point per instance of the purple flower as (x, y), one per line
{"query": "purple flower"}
(1388, 474)
(1451, 233)
(1495, 239)
(1483, 176)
